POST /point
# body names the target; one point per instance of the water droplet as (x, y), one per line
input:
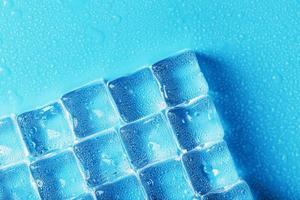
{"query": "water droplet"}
(14, 98)
(16, 13)
(116, 19)
(7, 3)
(95, 34)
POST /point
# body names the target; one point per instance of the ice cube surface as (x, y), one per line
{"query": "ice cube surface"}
(196, 123)
(238, 191)
(103, 157)
(210, 168)
(180, 78)
(58, 176)
(91, 109)
(45, 129)
(17, 183)
(137, 95)
(12, 148)
(127, 188)
(149, 140)
(167, 180)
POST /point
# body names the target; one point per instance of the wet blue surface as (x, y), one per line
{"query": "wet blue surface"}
(249, 53)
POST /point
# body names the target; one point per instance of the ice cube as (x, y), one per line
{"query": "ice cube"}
(238, 191)
(210, 168)
(196, 123)
(58, 176)
(16, 183)
(12, 148)
(149, 140)
(167, 180)
(127, 188)
(180, 78)
(45, 129)
(103, 158)
(91, 109)
(137, 95)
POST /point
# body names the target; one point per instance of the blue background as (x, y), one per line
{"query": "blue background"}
(249, 51)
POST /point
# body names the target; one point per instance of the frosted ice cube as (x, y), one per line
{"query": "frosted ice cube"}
(167, 180)
(16, 183)
(196, 123)
(103, 158)
(45, 129)
(149, 140)
(238, 191)
(127, 188)
(210, 168)
(91, 109)
(12, 148)
(137, 95)
(58, 176)
(180, 78)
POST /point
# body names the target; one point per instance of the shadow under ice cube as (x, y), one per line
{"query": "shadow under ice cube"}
(91, 109)
(180, 78)
(196, 123)
(210, 168)
(103, 158)
(58, 176)
(149, 140)
(167, 180)
(137, 95)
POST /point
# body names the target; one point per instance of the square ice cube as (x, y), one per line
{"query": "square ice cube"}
(12, 148)
(137, 95)
(103, 158)
(180, 78)
(45, 129)
(196, 124)
(16, 183)
(58, 176)
(210, 168)
(149, 140)
(127, 188)
(238, 191)
(91, 109)
(167, 180)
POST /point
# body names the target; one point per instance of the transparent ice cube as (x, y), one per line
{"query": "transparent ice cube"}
(210, 168)
(196, 123)
(16, 183)
(58, 176)
(45, 129)
(91, 109)
(12, 148)
(149, 140)
(166, 180)
(137, 95)
(127, 188)
(180, 78)
(103, 158)
(238, 191)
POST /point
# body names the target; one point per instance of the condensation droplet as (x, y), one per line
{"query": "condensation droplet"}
(4, 71)
(116, 19)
